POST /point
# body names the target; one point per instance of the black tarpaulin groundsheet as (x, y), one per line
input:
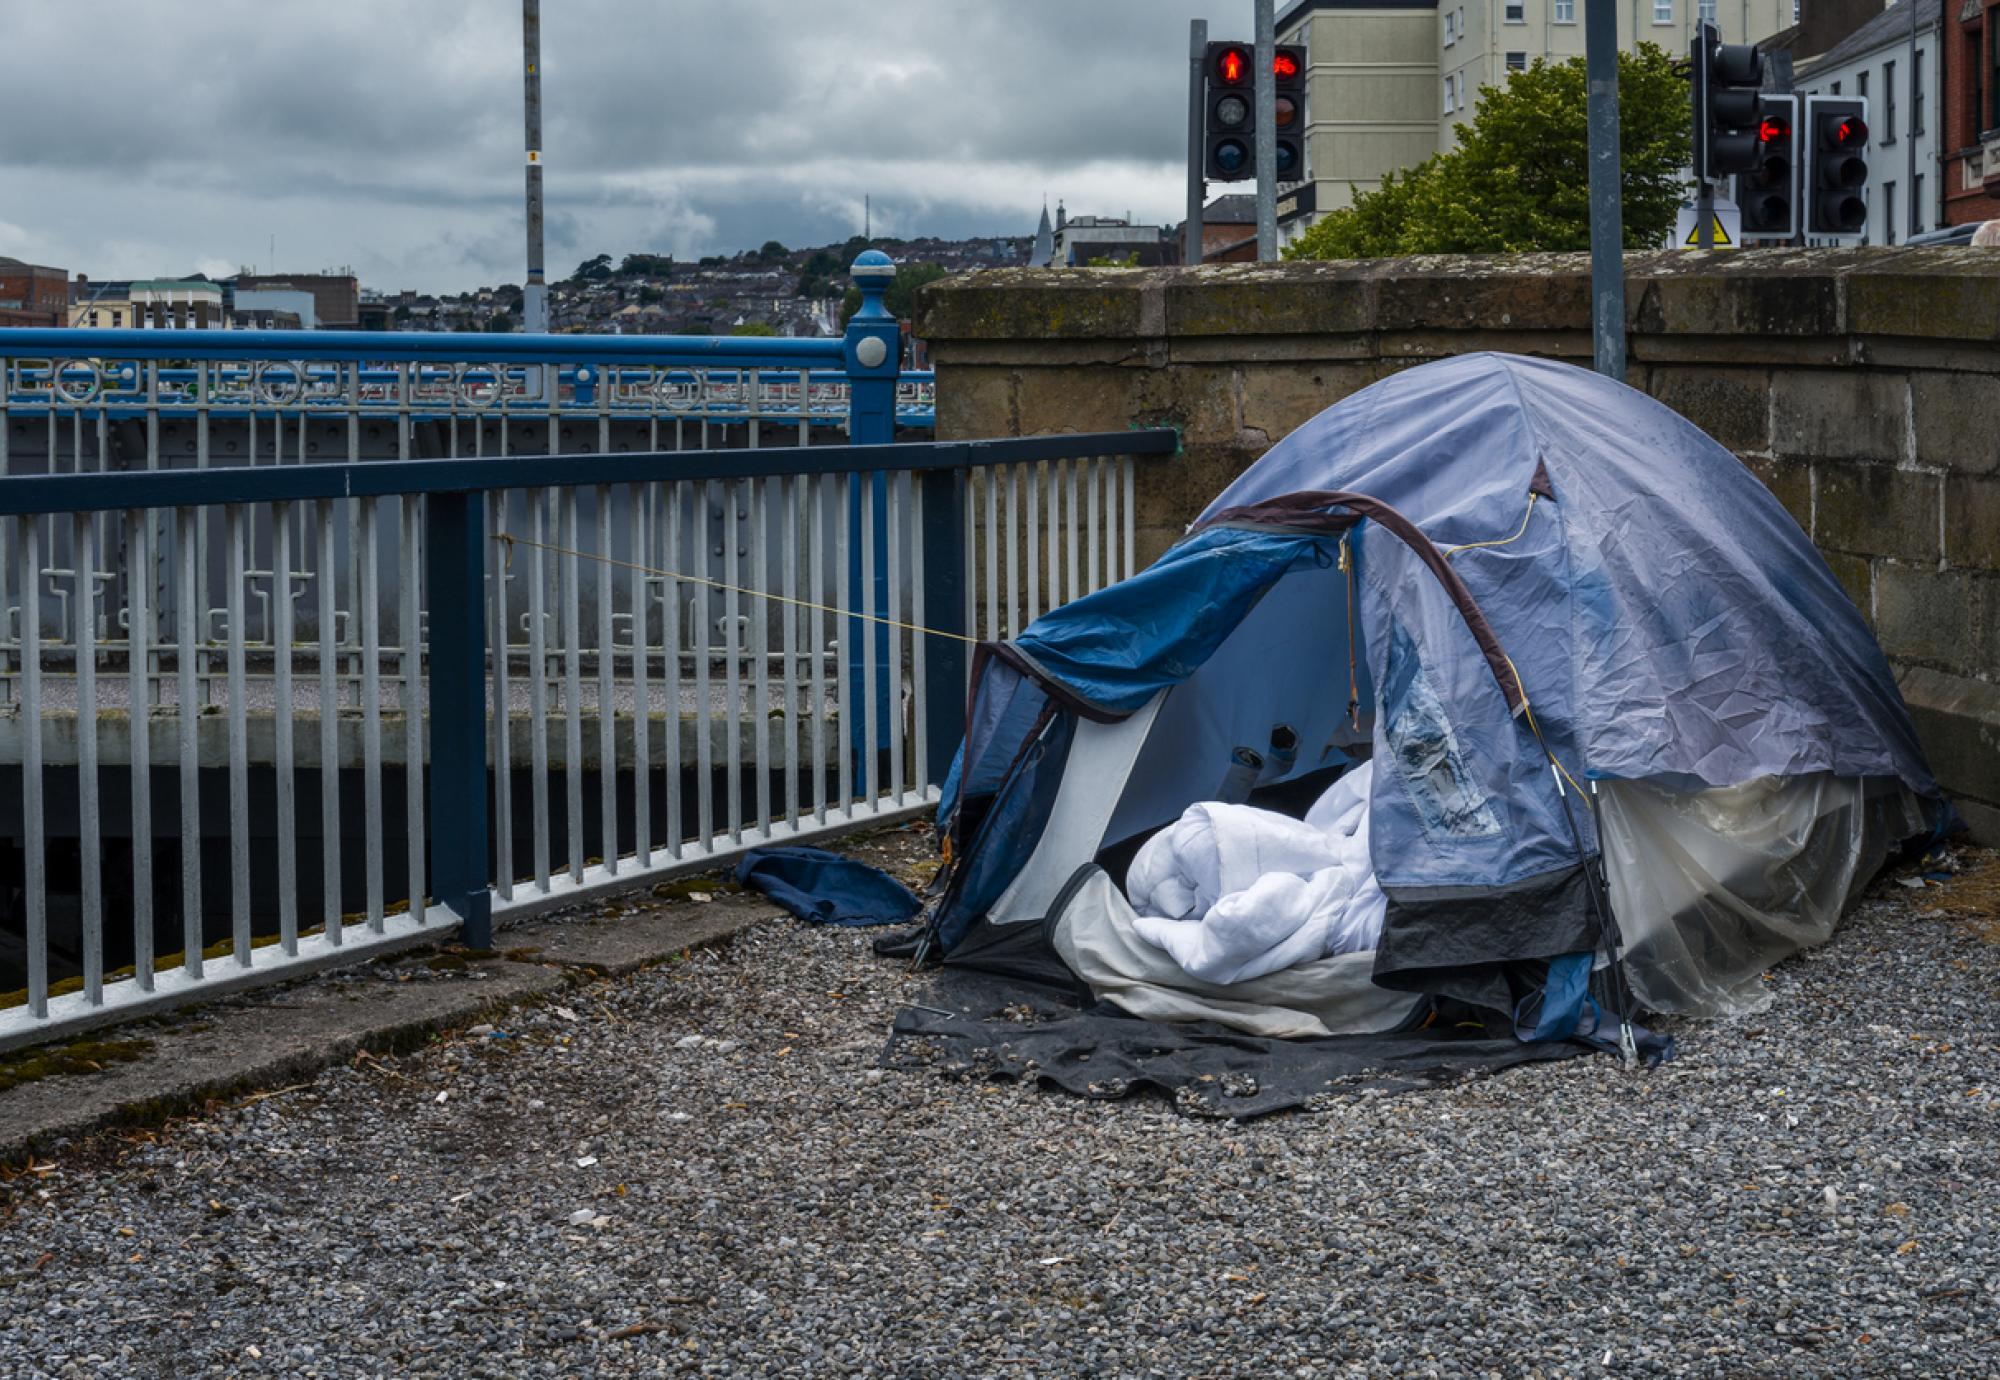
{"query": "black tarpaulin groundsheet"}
(978, 1025)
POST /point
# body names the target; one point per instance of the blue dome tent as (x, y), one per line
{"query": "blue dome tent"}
(1620, 717)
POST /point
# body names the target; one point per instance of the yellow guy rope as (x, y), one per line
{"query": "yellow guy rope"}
(1503, 541)
(510, 541)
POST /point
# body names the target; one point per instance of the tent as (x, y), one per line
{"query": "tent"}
(1620, 716)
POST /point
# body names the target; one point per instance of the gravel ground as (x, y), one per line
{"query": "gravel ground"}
(698, 1169)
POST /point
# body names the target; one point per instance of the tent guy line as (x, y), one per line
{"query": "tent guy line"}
(510, 541)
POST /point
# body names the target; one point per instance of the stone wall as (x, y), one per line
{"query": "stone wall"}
(1862, 386)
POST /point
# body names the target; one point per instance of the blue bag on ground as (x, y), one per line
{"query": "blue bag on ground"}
(827, 889)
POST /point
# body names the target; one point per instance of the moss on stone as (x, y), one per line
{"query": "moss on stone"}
(60, 1061)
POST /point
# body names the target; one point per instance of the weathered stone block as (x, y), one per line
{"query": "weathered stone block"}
(1947, 292)
(1105, 398)
(975, 402)
(1873, 510)
(1452, 292)
(1856, 575)
(1790, 481)
(1846, 414)
(1958, 723)
(1277, 399)
(1752, 292)
(1972, 522)
(1958, 420)
(1313, 299)
(1924, 614)
(1732, 405)
(1040, 304)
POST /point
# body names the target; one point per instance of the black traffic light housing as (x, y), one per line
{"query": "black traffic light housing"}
(1726, 103)
(1836, 133)
(1229, 138)
(1767, 191)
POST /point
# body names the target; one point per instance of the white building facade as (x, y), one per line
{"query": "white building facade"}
(1892, 62)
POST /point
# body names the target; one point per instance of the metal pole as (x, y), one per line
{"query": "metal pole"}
(1607, 227)
(1267, 130)
(1191, 251)
(534, 296)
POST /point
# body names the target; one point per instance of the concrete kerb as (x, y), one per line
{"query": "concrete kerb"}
(289, 1034)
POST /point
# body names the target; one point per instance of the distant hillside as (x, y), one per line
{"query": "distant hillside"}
(769, 291)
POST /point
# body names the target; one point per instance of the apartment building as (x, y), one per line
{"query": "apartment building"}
(1389, 81)
(1891, 61)
(1970, 58)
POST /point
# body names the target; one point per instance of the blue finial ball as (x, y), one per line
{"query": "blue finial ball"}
(872, 267)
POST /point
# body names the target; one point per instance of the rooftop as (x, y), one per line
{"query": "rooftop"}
(1889, 27)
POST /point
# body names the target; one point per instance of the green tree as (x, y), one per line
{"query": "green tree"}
(598, 269)
(901, 298)
(772, 250)
(1519, 176)
(754, 328)
(500, 323)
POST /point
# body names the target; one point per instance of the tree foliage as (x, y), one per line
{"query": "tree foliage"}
(593, 270)
(901, 298)
(754, 328)
(1519, 176)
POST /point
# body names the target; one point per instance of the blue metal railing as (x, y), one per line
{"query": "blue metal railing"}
(789, 732)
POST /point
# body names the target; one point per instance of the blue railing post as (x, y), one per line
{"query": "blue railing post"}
(874, 354)
(455, 559)
(943, 537)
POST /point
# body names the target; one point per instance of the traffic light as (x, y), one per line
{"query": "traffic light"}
(1726, 104)
(1766, 192)
(1232, 113)
(1230, 132)
(1836, 166)
(1288, 65)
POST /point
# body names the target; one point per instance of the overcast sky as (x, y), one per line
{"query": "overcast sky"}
(154, 137)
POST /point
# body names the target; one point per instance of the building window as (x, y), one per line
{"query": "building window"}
(1978, 91)
(1463, 102)
(1663, 11)
(1450, 28)
(93, 318)
(1450, 104)
(1834, 90)
(1706, 10)
(1888, 102)
(1517, 11)
(1565, 11)
(1917, 204)
(1517, 62)
(1888, 213)
(1993, 84)
(1917, 92)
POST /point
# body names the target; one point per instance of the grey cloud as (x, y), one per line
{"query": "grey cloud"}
(387, 133)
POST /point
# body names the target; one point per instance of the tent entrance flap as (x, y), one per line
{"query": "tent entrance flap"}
(1100, 762)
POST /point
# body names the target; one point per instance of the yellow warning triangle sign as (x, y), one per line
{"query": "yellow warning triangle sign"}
(1722, 240)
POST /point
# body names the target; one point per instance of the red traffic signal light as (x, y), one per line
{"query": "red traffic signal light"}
(1848, 133)
(1774, 130)
(1284, 65)
(1232, 66)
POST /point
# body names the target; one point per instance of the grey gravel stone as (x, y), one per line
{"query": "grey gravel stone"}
(1809, 1192)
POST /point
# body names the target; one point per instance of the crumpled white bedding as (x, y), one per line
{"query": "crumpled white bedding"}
(1232, 892)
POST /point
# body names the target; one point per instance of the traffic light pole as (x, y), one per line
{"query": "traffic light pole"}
(1191, 252)
(1267, 124)
(1607, 223)
(1704, 215)
(534, 293)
